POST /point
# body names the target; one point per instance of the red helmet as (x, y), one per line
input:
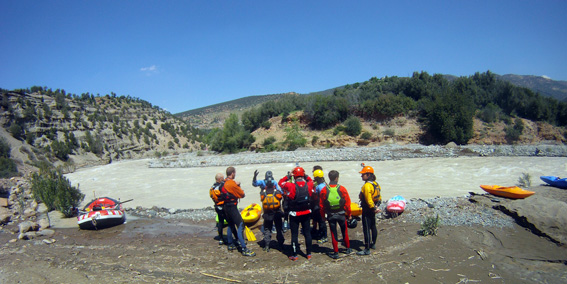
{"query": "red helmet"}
(298, 172)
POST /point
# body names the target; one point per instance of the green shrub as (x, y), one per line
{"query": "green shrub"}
(338, 129)
(366, 135)
(353, 127)
(232, 138)
(429, 226)
(5, 148)
(60, 150)
(8, 168)
(513, 133)
(389, 132)
(294, 139)
(55, 191)
(269, 141)
(449, 118)
(16, 130)
(269, 145)
(490, 113)
(266, 124)
(314, 140)
(525, 180)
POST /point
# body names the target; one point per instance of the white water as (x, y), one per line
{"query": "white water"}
(187, 188)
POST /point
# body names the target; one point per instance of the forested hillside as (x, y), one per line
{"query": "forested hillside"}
(40, 124)
(542, 85)
(444, 108)
(43, 125)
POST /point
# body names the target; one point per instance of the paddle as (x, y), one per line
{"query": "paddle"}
(249, 234)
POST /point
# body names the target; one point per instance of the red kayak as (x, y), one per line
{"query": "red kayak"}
(396, 205)
(101, 213)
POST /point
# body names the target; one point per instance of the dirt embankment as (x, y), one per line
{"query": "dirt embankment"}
(179, 250)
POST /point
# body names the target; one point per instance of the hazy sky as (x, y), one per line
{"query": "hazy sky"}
(182, 55)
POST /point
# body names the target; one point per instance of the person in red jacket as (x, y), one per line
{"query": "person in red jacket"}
(335, 202)
(299, 195)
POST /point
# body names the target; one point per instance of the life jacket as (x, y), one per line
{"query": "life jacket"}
(376, 196)
(271, 199)
(226, 196)
(301, 200)
(215, 193)
(334, 201)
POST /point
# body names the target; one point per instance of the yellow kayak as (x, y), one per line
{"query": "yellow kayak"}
(507, 191)
(355, 209)
(251, 213)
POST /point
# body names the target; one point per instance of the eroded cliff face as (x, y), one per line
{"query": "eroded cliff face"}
(88, 130)
(407, 130)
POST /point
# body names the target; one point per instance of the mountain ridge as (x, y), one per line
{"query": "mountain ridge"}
(198, 117)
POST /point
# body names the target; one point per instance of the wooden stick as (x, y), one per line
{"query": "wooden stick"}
(219, 277)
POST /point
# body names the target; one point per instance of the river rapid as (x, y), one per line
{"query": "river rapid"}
(187, 188)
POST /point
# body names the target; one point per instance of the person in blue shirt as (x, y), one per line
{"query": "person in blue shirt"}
(319, 224)
(262, 183)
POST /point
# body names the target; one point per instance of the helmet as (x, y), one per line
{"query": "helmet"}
(318, 174)
(298, 172)
(352, 223)
(269, 175)
(367, 170)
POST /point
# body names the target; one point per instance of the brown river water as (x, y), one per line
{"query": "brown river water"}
(187, 188)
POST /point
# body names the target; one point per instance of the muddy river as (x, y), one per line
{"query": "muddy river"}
(187, 188)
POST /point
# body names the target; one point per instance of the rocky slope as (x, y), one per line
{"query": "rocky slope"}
(85, 130)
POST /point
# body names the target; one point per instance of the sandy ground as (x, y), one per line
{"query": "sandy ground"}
(183, 251)
(187, 188)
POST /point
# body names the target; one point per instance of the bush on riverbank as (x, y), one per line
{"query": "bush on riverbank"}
(55, 191)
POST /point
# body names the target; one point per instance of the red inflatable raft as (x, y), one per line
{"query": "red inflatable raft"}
(101, 213)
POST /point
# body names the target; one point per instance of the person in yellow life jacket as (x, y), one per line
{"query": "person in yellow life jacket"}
(334, 201)
(271, 196)
(214, 193)
(370, 199)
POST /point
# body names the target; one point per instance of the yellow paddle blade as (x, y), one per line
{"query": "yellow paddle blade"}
(249, 234)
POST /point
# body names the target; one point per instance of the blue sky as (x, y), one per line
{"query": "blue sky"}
(182, 55)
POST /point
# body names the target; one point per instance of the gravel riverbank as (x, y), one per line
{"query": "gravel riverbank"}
(452, 211)
(382, 153)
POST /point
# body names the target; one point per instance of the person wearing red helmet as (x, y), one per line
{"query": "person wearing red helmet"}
(370, 199)
(298, 196)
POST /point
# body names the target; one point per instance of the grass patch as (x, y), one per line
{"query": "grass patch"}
(429, 226)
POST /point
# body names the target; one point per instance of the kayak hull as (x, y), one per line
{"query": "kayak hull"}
(355, 209)
(513, 192)
(251, 213)
(396, 204)
(555, 181)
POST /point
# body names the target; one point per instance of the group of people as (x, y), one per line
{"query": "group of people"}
(301, 201)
